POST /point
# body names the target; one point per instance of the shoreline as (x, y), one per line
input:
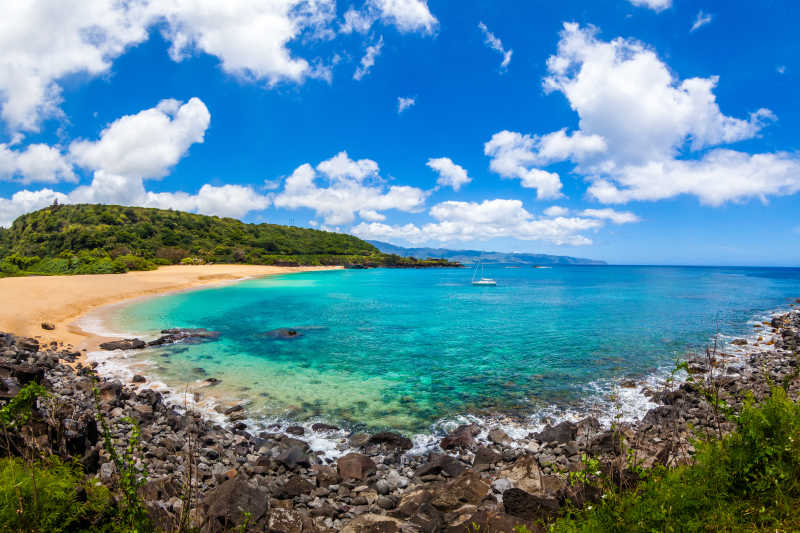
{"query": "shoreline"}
(618, 400)
(64, 300)
(477, 475)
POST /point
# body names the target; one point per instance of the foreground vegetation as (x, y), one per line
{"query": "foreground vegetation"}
(101, 239)
(747, 481)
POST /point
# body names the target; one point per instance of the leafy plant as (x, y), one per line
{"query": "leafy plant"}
(48, 495)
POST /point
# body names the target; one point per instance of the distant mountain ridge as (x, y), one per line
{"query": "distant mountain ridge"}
(470, 256)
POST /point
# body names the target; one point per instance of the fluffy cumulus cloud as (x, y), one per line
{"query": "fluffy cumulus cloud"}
(467, 221)
(720, 176)
(643, 133)
(497, 45)
(36, 163)
(250, 37)
(43, 41)
(25, 201)
(515, 155)
(450, 174)
(405, 15)
(148, 144)
(340, 188)
(129, 151)
(655, 5)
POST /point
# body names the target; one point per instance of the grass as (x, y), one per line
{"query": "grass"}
(747, 481)
(50, 495)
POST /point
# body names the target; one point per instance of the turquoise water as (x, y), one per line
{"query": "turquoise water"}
(405, 348)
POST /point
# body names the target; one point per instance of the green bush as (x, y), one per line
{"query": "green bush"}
(92, 239)
(125, 263)
(748, 481)
(48, 495)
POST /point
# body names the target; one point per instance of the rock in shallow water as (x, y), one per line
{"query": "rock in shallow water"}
(124, 344)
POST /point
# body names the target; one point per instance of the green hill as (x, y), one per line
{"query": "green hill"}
(84, 239)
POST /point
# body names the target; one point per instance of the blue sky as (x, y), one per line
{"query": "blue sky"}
(635, 131)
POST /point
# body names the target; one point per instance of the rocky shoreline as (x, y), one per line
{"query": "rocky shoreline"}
(275, 482)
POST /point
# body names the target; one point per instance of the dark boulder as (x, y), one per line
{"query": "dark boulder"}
(294, 487)
(283, 334)
(523, 505)
(468, 488)
(296, 430)
(26, 373)
(355, 466)
(563, 432)
(485, 457)
(124, 344)
(294, 457)
(441, 463)
(462, 437)
(185, 335)
(391, 440)
(9, 387)
(231, 504)
(608, 442)
(320, 427)
(27, 344)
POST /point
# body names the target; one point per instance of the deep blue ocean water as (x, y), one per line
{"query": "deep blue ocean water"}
(402, 349)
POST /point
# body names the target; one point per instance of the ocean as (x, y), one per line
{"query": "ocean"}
(415, 350)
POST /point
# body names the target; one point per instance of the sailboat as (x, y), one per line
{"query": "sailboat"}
(487, 282)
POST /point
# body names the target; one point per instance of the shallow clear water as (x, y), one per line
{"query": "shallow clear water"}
(405, 348)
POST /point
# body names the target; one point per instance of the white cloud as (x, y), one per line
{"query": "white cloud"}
(357, 21)
(718, 177)
(497, 45)
(625, 94)
(138, 147)
(467, 221)
(643, 133)
(45, 40)
(36, 163)
(405, 103)
(556, 211)
(25, 201)
(368, 61)
(655, 5)
(405, 15)
(148, 144)
(450, 174)
(249, 37)
(351, 187)
(616, 217)
(225, 201)
(515, 155)
(701, 20)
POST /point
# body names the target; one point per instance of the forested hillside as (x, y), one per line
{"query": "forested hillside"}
(80, 239)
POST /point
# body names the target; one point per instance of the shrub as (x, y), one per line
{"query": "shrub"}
(747, 481)
(48, 495)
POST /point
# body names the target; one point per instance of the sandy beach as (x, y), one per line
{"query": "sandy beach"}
(61, 300)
